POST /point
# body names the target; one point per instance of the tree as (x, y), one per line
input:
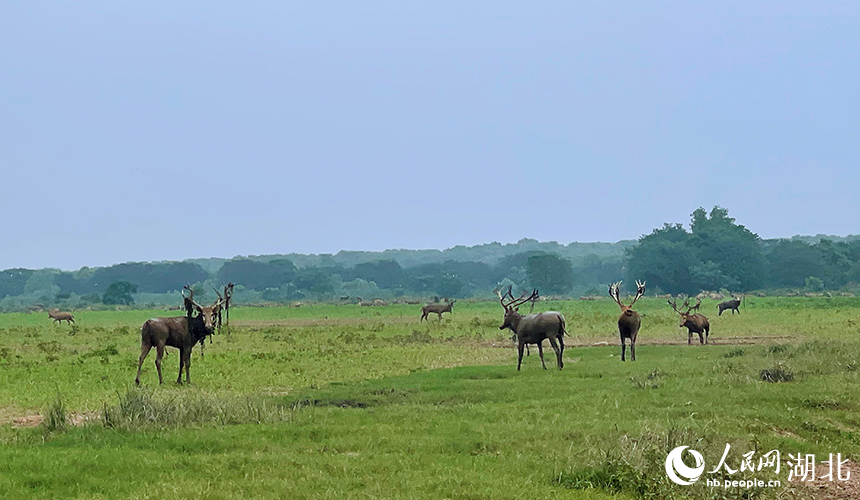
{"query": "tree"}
(792, 261)
(550, 273)
(715, 254)
(664, 259)
(258, 275)
(120, 293)
(734, 249)
(387, 274)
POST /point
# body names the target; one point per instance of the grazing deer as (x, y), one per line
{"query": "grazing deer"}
(59, 316)
(729, 304)
(629, 321)
(694, 322)
(179, 332)
(534, 328)
(438, 309)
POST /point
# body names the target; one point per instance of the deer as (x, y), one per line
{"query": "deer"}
(696, 322)
(181, 332)
(59, 316)
(534, 328)
(729, 304)
(629, 321)
(438, 309)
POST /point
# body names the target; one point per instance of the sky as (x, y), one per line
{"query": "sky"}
(162, 130)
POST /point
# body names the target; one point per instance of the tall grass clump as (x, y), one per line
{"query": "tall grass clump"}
(55, 416)
(635, 466)
(141, 408)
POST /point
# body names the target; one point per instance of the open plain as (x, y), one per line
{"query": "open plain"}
(366, 402)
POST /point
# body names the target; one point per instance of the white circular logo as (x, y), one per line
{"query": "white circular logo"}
(678, 471)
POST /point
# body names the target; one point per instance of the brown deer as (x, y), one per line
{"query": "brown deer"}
(179, 332)
(438, 309)
(629, 321)
(729, 304)
(59, 316)
(697, 323)
(534, 328)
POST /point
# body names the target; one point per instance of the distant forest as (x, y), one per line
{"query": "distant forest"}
(715, 253)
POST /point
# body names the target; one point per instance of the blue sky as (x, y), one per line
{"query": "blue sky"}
(137, 131)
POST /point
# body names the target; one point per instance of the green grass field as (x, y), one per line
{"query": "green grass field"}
(366, 402)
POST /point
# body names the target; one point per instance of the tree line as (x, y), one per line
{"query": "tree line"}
(715, 253)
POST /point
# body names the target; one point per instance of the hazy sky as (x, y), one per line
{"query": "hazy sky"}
(137, 131)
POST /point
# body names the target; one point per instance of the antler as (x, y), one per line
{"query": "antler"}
(640, 291)
(523, 299)
(191, 297)
(613, 292)
(502, 298)
(685, 304)
(514, 302)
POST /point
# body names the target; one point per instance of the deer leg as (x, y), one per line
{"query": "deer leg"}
(623, 348)
(633, 349)
(187, 366)
(707, 332)
(561, 344)
(159, 353)
(540, 351)
(689, 337)
(520, 346)
(144, 350)
(181, 364)
(558, 352)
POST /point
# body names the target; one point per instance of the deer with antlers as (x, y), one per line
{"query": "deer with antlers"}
(534, 328)
(696, 322)
(629, 321)
(180, 332)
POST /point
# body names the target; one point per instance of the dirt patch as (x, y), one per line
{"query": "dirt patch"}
(35, 419)
(27, 421)
(347, 322)
(578, 342)
(825, 489)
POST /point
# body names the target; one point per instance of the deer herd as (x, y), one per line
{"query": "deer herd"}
(184, 332)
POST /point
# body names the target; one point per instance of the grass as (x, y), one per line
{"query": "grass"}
(326, 401)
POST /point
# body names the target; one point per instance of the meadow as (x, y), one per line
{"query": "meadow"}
(357, 402)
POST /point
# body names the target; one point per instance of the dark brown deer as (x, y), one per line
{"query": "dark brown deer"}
(697, 323)
(729, 304)
(438, 309)
(629, 321)
(59, 316)
(179, 332)
(534, 328)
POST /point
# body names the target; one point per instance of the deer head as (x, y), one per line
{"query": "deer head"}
(684, 314)
(613, 292)
(512, 315)
(207, 314)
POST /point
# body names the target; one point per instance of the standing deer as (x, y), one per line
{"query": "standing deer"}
(694, 322)
(629, 321)
(534, 328)
(729, 304)
(179, 332)
(438, 309)
(59, 316)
